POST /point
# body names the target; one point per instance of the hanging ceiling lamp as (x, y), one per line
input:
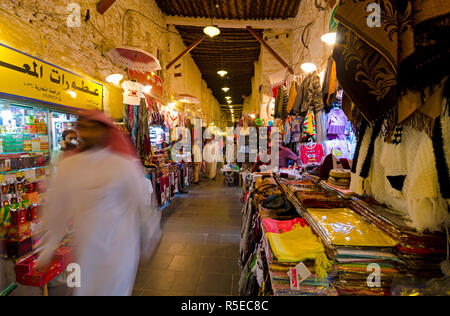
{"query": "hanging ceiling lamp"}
(329, 38)
(228, 97)
(308, 67)
(211, 30)
(114, 78)
(222, 73)
(226, 89)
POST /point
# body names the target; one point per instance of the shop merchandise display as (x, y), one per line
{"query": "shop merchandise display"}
(338, 240)
(340, 178)
(312, 153)
(24, 174)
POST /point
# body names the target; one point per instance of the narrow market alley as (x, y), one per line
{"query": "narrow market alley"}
(199, 250)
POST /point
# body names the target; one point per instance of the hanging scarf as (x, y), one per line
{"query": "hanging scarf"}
(377, 66)
(309, 126)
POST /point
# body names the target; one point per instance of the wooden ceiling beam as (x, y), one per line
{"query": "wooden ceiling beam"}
(270, 49)
(187, 51)
(232, 23)
(104, 5)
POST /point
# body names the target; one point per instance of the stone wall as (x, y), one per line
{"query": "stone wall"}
(40, 28)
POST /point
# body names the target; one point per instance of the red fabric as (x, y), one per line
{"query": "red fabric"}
(314, 154)
(116, 142)
(279, 227)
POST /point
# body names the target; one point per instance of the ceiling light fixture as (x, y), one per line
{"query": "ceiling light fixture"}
(226, 89)
(329, 38)
(228, 98)
(308, 67)
(114, 78)
(222, 73)
(211, 31)
(229, 101)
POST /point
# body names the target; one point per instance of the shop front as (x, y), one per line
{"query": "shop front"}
(38, 102)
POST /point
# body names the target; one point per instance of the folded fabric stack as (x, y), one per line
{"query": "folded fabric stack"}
(340, 178)
(289, 243)
(318, 198)
(358, 249)
(422, 252)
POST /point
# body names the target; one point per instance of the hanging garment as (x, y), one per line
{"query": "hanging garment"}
(296, 128)
(281, 103)
(338, 148)
(404, 177)
(309, 126)
(321, 118)
(329, 86)
(287, 131)
(311, 153)
(336, 124)
(132, 92)
(310, 94)
(294, 98)
(173, 119)
(378, 65)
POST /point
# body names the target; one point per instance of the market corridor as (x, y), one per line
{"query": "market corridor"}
(199, 250)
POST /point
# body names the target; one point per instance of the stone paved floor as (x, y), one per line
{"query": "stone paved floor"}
(199, 250)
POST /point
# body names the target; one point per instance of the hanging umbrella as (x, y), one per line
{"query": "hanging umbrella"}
(187, 98)
(135, 59)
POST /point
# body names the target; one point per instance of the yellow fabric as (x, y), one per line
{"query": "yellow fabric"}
(344, 227)
(311, 123)
(298, 245)
(292, 97)
(332, 84)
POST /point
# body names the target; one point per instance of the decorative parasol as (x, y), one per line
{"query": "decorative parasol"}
(135, 59)
(187, 98)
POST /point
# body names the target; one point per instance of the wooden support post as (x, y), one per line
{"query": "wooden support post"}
(104, 5)
(270, 49)
(187, 51)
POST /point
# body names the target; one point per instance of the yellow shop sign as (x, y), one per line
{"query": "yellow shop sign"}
(24, 76)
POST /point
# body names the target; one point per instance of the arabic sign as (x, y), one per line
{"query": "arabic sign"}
(28, 77)
(148, 78)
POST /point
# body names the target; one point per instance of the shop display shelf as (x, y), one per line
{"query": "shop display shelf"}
(21, 170)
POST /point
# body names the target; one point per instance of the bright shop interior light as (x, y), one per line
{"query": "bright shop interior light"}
(308, 67)
(222, 73)
(226, 89)
(114, 78)
(211, 31)
(329, 38)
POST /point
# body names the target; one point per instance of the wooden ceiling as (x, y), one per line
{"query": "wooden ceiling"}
(231, 9)
(235, 50)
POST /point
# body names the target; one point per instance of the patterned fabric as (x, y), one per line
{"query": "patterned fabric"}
(310, 94)
(404, 54)
(397, 139)
(309, 126)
